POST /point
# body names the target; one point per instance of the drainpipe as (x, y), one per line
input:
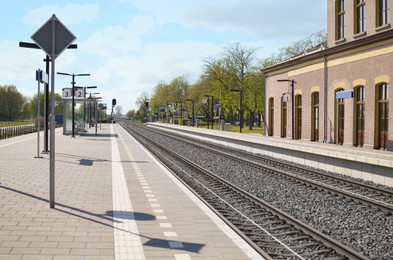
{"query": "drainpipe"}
(264, 109)
(325, 110)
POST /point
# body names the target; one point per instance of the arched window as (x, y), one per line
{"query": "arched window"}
(298, 117)
(315, 117)
(381, 116)
(271, 117)
(360, 96)
(284, 118)
(339, 119)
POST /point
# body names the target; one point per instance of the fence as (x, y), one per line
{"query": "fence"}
(12, 131)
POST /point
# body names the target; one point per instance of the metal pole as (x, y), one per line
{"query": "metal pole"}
(84, 109)
(208, 108)
(212, 112)
(96, 114)
(241, 110)
(46, 106)
(193, 113)
(52, 124)
(73, 105)
(181, 113)
(38, 116)
(52, 132)
(293, 108)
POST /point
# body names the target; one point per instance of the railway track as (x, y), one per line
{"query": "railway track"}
(273, 232)
(362, 193)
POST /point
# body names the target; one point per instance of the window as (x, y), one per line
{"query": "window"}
(340, 19)
(298, 117)
(381, 116)
(360, 16)
(284, 118)
(383, 12)
(360, 96)
(315, 117)
(339, 119)
(271, 117)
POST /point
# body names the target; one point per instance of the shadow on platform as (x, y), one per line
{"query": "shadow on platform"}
(110, 217)
(98, 135)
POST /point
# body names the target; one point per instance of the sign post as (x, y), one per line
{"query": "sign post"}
(53, 38)
(39, 78)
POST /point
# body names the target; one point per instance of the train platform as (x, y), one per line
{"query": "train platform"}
(113, 200)
(364, 163)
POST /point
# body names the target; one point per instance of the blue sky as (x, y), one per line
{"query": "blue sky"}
(128, 46)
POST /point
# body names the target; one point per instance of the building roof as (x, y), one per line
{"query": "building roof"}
(322, 50)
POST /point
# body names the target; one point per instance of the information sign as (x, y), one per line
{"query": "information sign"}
(79, 93)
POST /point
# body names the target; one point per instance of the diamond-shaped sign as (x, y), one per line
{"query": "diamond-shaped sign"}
(53, 37)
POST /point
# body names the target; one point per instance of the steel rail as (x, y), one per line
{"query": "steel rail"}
(353, 196)
(318, 236)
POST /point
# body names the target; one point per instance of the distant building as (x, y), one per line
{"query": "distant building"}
(341, 89)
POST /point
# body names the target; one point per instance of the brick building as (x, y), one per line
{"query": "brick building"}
(338, 93)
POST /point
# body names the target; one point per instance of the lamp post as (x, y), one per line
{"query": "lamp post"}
(73, 96)
(193, 111)
(31, 45)
(181, 113)
(208, 107)
(241, 106)
(293, 102)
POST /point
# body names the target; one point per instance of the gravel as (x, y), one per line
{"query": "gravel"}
(363, 228)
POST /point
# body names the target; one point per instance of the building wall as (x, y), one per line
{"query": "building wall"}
(368, 64)
(371, 21)
(347, 70)
(308, 80)
(367, 70)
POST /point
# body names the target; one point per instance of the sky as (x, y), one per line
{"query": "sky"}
(129, 46)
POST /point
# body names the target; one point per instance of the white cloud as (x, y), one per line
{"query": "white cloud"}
(112, 41)
(103, 76)
(119, 40)
(18, 63)
(262, 18)
(68, 14)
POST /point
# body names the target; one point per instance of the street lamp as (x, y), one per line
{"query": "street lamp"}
(293, 102)
(73, 96)
(208, 107)
(193, 111)
(31, 45)
(241, 106)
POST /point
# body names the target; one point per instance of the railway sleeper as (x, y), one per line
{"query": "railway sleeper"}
(280, 227)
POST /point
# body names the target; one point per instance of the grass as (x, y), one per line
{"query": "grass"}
(235, 128)
(15, 123)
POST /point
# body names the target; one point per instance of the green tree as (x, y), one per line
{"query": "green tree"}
(131, 113)
(32, 105)
(11, 103)
(173, 96)
(235, 69)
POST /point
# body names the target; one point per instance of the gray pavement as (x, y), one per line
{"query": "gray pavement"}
(113, 201)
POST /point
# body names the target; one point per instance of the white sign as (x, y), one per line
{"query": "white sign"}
(79, 93)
